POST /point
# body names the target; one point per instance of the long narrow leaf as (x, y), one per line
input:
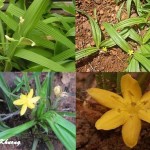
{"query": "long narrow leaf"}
(110, 43)
(146, 37)
(117, 37)
(64, 55)
(65, 132)
(16, 130)
(96, 32)
(85, 52)
(136, 37)
(129, 22)
(6, 90)
(33, 57)
(33, 15)
(143, 60)
(133, 66)
(129, 7)
(11, 23)
(49, 30)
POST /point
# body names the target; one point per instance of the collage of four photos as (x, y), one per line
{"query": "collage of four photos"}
(74, 74)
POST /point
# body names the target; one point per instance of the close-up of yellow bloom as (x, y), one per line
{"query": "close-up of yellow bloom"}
(27, 101)
(127, 110)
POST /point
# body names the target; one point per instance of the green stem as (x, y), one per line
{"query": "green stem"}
(26, 81)
(37, 82)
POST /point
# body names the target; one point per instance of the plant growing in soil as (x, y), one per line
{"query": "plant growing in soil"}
(34, 38)
(43, 116)
(131, 35)
(127, 111)
(137, 4)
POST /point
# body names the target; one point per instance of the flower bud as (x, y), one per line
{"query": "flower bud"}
(58, 90)
(21, 20)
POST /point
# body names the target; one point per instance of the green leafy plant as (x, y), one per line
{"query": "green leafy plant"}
(122, 34)
(137, 4)
(37, 39)
(44, 116)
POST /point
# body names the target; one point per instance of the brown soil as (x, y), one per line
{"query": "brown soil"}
(88, 112)
(115, 60)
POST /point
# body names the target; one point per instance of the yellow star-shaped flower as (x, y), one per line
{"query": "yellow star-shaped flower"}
(127, 111)
(130, 52)
(104, 49)
(27, 101)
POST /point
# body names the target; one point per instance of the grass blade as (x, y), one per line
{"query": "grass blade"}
(143, 60)
(117, 38)
(133, 66)
(33, 15)
(129, 7)
(129, 22)
(85, 52)
(136, 37)
(16, 130)
(146, 37)
(36, 58)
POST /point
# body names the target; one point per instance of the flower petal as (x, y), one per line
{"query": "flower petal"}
(144, 115)
(30, 95)
(35, 99)
(18, 102)
(31, 105)
(22, 96)
(112, 119)
(145, 100)
(130, 88)
(131, 130)
(106, 98)
(23, 110)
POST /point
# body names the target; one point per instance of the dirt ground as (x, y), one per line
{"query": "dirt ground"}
(115, 60)
(88, 112)
(67, 81)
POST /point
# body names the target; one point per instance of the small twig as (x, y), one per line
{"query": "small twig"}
(7, 116)
(91, 67)
(66, 109)
(1, 100)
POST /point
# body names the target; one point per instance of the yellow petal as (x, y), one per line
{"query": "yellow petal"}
(23, 110)
(145, 100)
(106, 98)
(130, 88)
(144, 115)
(19, 102)
(30, 95)
(22, 96)
(31, 105)
(131, 130)
(112, 119)
(35, 99)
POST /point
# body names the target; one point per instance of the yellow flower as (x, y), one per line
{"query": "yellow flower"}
(26, 101)
(104, 49)
(128, 110)
(130, 52)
